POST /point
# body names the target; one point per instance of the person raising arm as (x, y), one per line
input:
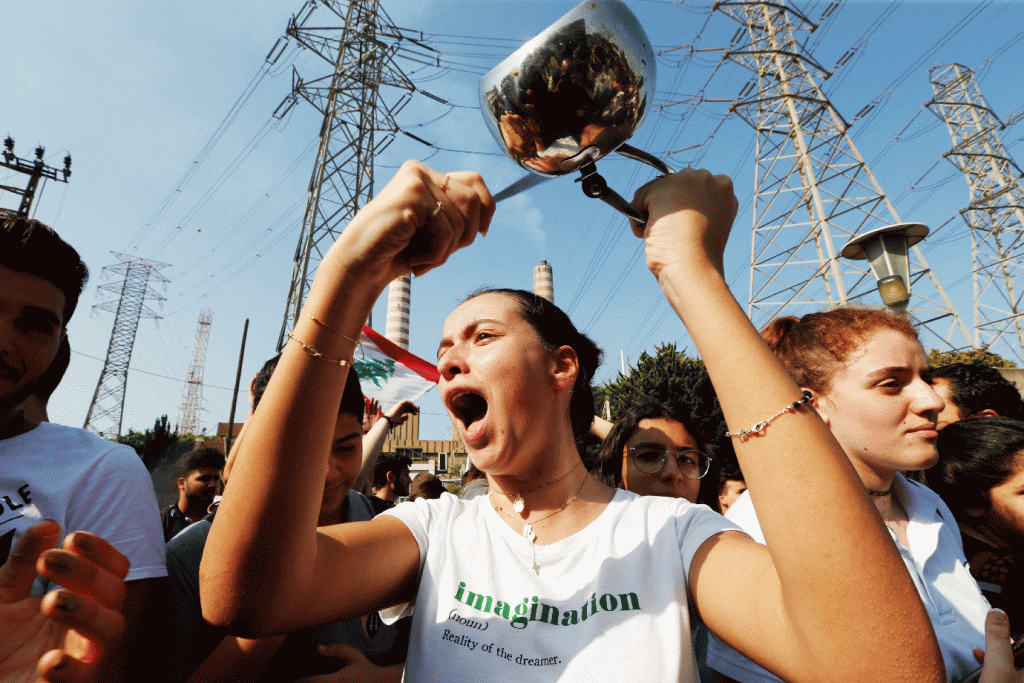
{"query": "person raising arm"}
(825, 599)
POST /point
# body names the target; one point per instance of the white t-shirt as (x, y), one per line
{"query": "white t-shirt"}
(84, 483)
(935, 561)
(609, 603)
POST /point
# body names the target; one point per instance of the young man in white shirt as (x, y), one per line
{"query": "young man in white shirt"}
(53, 472)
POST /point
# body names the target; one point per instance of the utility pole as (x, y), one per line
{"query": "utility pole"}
(813, 190)
(192, 397)
(35, 170)
(995, 213)
(107, 407)
(234, 397)
(362, 50)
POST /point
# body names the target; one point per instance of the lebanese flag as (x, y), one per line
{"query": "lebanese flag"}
(389, 373)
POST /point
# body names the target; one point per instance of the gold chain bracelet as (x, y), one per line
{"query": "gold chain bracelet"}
(313, 353)
(328, 327)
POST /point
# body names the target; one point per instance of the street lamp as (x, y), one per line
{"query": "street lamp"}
(886, 249)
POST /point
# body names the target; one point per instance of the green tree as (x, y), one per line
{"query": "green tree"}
(669, 376)
(980, 356)
(158, 444)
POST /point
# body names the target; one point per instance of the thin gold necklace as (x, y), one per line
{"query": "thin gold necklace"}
(519, 505)
(528, 532)
(530, 535)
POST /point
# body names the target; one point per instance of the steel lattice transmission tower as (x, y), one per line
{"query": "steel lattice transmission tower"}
(133, 289)
(813, 190)
(362, 51)
(192, 396)
(996, 210)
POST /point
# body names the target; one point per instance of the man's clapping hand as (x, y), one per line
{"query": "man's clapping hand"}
(67, 634)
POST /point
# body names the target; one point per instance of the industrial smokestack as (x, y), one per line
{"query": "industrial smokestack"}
(397, 330)
(399, 297)
(543, 282)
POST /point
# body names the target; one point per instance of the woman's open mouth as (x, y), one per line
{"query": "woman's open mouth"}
(467, 407)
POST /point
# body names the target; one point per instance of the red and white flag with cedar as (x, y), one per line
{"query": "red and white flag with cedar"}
(389, 373)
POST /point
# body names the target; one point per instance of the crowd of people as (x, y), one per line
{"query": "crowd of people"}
(857, 521)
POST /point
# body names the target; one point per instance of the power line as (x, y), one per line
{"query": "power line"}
(157, 374)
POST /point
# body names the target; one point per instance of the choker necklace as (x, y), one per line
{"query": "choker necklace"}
(519, 505)
(880, 493)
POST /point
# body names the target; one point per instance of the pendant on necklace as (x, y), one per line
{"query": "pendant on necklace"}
(528, 533)
(536, 567)
(518, 504)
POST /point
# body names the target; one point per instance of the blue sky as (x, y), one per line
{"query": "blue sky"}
(135, 90)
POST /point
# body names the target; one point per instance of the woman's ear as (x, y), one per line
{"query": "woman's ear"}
(565, 367)
(819, 404)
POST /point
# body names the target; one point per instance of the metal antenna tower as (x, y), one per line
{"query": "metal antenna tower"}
(192, 396)
(996, 210)
(813, 190)
(107, 407)
(362, 52)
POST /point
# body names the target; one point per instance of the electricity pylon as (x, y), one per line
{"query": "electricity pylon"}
(107, 407)
(362, 51)
(35, 170)
(996, 210)
(813, 190)
(192, 396)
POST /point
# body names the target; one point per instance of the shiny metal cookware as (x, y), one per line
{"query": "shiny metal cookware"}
(572, 95)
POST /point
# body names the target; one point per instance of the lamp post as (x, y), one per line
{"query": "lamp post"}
(886, 249)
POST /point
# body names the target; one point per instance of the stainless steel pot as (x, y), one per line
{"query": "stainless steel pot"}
(573, 94)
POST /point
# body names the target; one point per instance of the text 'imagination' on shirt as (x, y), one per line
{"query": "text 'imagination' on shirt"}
(520, 614)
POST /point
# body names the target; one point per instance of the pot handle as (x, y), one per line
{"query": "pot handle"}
(594, 184)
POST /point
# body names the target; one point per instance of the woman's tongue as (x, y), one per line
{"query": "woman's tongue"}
(472, 409)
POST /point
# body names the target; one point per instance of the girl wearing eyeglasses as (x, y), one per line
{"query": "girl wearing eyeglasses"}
(651, 451)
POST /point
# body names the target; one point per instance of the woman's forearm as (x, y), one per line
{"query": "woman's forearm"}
(835, 589)
(838, 570)
(264, 558)
(261, 551)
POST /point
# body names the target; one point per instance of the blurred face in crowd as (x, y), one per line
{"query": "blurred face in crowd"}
(31, 327)
(644, 451)
(342, 467)
(881, 406)
(950, 413)
(200, 486)
(731, 490)
(403, 483)
(1005, 515)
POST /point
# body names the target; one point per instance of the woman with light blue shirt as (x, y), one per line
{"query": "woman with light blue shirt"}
(869, 379)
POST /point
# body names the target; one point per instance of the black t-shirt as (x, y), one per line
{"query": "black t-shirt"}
(173, 520)
(380, 505)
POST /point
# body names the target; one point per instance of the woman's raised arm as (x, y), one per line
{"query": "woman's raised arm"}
(829, 596)
(266, 568)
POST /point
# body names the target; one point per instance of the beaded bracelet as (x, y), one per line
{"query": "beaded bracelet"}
(760, 426)
(313, 353)
(391, 423)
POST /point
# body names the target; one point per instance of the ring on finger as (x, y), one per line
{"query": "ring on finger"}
(437, 210)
